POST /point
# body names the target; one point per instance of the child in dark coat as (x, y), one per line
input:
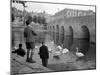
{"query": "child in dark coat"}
(44, 54)
(19, 51)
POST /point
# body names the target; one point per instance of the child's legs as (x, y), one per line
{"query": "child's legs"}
(31, 53)
(44, 62)
(28, 54)
(28, 50)
(32, 49)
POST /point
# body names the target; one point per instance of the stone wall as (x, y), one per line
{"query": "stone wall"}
(76, 23)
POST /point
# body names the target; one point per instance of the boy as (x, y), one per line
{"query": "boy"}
(20, 51)
(44, 54)
(29, 35)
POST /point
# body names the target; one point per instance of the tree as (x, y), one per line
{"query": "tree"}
(43, 20)
(40, 19)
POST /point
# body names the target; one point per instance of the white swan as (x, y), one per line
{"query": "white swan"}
(36, 47)
(59, 47)
(79, 54)
(65, 50)
(15, 47)
(57, 53)
(50, 50)
(52, 42)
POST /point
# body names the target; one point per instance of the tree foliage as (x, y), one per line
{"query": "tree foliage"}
(39, 19)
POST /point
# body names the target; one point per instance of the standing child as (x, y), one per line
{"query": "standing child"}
(44, 54)
(29, 35)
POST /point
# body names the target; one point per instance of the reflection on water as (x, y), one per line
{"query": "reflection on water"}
(57, 38)
(57, 34)
(68, 39)
(62, 34)
(83, 45)
(68, 42)
(85, 32)
(17, 37)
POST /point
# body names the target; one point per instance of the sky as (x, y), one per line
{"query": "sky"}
(50, 8)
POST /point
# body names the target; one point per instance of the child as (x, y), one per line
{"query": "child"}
(19, 51)
(44, 54)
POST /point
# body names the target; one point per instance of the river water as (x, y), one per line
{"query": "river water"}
(65, 61)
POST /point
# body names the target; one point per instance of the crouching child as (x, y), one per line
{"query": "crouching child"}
(20, 51)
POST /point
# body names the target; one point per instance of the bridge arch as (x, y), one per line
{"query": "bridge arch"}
(85, 32)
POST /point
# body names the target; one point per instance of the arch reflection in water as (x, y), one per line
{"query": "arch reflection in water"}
(83, 41)
(62, 34)
(50, 30)
(70, 31)
(57, 34)
(53, 33)
(83, 45)
(85, 34)
(68, 42)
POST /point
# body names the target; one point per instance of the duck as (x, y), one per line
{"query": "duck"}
(65, 50)
(79, 54)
